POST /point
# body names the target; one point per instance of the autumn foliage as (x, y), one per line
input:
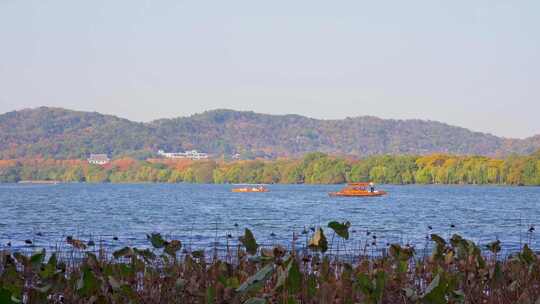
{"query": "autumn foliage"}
(313, 168)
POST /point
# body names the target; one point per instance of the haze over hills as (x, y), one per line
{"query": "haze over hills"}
(61, 133)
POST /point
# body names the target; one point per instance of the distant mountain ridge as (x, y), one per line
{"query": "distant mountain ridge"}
(62, 133)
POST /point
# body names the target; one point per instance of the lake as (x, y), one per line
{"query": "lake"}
(199, 215)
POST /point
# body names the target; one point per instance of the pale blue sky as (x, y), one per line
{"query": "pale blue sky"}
(470, 63)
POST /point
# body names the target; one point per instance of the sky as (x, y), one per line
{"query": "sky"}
(474, 64)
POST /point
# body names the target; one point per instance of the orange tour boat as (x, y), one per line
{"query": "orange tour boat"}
(254, 188)
(358, 189)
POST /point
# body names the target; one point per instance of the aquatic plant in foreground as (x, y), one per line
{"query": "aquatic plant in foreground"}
(457, 271)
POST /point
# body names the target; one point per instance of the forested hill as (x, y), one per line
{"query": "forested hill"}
(63, 134)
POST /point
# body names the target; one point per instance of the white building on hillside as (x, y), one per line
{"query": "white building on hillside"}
(193, 155)
(99, 159)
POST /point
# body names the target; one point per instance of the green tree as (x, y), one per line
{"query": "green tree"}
(378, 174)
(96, 174)
(423, 176)
(203, 172)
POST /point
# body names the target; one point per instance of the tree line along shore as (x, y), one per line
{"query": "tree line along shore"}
(313, 168)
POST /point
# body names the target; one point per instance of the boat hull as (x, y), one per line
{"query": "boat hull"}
(357, 194)
(244, 190)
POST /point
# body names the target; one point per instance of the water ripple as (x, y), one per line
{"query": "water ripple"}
(199, 213)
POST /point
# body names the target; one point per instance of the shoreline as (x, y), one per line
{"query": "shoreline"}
(40, 182)
(54, 182)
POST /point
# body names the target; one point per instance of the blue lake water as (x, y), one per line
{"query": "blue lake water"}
(201, 214)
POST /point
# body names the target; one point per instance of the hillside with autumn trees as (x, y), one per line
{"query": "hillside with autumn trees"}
(64, 134)
(313, 168)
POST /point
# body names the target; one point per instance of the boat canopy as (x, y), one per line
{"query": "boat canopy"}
(359, 184)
